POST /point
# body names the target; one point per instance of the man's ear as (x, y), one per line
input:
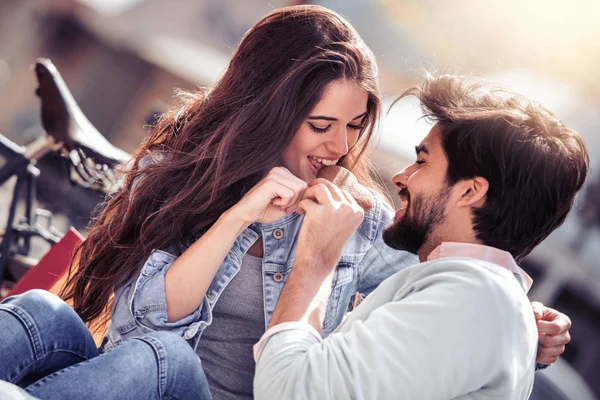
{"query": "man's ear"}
(473, 192)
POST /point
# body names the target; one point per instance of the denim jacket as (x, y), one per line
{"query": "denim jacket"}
(140, 304)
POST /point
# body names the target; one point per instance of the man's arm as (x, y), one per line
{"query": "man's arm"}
(438, 336)
(331, 217)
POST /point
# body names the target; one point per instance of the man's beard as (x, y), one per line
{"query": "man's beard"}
(422, 216)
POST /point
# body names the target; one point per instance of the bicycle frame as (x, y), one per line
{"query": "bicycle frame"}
(19, 162)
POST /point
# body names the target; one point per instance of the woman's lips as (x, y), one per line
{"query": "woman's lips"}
(316, 166)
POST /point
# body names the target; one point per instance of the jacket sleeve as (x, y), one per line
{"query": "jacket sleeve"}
(146, 300)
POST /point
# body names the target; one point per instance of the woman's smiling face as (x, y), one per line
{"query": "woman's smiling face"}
(329, 131)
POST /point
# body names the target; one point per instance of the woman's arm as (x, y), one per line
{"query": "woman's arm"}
(185, 283)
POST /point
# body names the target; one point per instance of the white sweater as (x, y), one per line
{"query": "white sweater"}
(453, 328)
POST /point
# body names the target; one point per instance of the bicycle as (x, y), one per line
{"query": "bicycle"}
(68, 132)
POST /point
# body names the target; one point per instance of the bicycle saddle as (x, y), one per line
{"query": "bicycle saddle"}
(63, 119)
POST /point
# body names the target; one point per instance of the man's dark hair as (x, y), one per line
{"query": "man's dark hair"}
(535, 165)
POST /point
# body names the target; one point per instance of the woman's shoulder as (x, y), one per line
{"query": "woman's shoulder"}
(382, 211)
(376, 218)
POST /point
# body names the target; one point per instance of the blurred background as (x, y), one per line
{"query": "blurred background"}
(122, 59)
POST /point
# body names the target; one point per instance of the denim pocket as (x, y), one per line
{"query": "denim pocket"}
(343, 274)
(156, 262)
(341, 291)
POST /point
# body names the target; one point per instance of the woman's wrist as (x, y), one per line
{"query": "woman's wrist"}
(232, 220)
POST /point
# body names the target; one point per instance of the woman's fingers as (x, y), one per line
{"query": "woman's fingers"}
(296, 187)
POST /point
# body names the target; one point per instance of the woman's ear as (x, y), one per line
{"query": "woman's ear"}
(473, 192)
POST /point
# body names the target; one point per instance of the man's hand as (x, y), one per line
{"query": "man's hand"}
(332, 216)
(553, 329)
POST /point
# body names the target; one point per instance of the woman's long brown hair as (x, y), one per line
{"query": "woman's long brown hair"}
(216, 144)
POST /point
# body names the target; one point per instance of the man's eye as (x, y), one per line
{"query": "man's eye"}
(419, 162)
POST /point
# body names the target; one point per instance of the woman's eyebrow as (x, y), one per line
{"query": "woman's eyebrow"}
(325, 118)
(359, 116)
(322, 117)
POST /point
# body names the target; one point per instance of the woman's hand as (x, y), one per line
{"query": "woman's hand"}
(276, 195)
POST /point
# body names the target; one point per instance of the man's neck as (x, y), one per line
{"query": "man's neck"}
(426, 249)
(464, 236)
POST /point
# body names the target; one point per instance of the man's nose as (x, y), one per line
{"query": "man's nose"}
(401, 177)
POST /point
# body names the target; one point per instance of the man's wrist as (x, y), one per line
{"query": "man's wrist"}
(318, 265)
(305, 294)
(539, 366)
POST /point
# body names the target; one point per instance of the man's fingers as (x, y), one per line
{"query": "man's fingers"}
(306, 205)
(349, 198)
(553, 352)
(554, 327)
(538, 309)
(549, 341)
(335, 191)
(319, 193)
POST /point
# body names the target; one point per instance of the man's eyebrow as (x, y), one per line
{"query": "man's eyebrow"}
(421, 149)
(325, 118)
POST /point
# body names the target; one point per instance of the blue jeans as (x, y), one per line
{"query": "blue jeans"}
(47, 349)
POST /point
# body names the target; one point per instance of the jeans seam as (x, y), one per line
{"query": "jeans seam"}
(39, 352)
(83, 358)
(32, 331)
(53, 375)
(161, 359)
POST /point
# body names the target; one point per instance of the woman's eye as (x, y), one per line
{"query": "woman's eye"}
(319, 130)
(356, 127)
(419, 162)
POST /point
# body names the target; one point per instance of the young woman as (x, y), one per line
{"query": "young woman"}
(199, 241)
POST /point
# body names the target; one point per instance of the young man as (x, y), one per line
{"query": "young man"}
(494, 177)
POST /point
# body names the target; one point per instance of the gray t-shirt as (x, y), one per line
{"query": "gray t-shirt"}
(225, 347)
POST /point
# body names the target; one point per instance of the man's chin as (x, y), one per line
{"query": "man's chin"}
(392, 237)
(399, 215)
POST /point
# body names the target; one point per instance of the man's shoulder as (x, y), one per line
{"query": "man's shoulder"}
(474, 280)
(483, 314)
(484, 273)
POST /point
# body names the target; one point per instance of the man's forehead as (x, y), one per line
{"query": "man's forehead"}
(431, 141)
